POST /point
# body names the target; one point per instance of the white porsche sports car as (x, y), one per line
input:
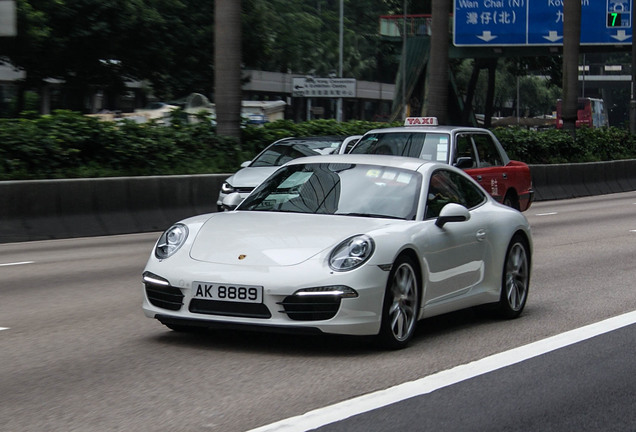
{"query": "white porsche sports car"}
(344, 244)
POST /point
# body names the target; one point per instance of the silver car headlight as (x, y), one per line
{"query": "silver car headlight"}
(351, 253)
(171, 240)
(227, 188)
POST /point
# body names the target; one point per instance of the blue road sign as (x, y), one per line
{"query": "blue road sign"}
(539, 22)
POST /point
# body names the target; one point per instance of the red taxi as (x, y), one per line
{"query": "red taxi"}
(475, 150)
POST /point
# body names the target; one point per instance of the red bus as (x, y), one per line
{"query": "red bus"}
(591, 113)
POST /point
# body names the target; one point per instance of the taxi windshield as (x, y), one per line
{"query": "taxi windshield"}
(430, 146)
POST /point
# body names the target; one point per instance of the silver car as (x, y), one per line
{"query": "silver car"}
(253, 172)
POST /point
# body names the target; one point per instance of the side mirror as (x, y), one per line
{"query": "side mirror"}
(246, 164)
(452, 213)
(464, 162)
(232, 201)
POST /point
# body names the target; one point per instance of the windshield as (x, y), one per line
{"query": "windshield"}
(281, 153)
(341, 189)
(430, 146)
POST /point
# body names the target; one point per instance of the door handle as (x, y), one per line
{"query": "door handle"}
(478, 178)
(481, 235)
(505, 176)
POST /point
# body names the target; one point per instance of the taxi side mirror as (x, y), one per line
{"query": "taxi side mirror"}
(464, 162)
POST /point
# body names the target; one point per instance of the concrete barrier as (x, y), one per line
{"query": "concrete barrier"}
(48, 209)
(563, 181)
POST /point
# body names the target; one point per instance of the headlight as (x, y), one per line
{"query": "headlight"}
(227, 188)
(334, 290)
(171, 240)
(351, 253)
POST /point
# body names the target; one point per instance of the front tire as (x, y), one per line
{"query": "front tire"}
(401, 305)
(515, 281)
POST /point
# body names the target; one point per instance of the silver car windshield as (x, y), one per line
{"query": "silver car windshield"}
(280, 154)
(340, 189)
(430, 146)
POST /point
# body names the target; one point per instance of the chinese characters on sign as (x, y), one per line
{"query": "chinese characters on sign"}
(324, 87)
(539, 22)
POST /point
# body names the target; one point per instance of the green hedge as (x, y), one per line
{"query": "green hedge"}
(556, 146)
(67, 144)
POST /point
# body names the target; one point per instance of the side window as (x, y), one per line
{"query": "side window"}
(465, 149)
(450, 187)
(487, 150)
(471, 196)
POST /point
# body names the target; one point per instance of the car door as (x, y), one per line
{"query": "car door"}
(454, 255)
(490, 171)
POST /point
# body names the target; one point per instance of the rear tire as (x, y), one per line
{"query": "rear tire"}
(511, 200)
(401, 305)
(515, 280)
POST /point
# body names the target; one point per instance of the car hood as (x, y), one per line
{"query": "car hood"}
(251, 176)
(273, 239)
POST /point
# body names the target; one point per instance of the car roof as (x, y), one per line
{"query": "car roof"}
(424, 129)
(311, 139)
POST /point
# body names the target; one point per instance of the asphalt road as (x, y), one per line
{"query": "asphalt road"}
(77, 354)
(588, 386)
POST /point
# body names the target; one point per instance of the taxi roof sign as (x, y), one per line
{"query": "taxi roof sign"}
(420, 121)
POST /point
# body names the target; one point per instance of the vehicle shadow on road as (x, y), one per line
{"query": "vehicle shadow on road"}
(263, 342)
(316, 345)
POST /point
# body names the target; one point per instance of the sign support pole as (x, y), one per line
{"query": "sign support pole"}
(632, 102)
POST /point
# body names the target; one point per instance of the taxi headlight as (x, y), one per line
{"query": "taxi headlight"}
(351, 253)
(171, 240)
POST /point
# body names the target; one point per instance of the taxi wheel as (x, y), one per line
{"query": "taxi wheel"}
(401, 305)
(511, 200)
(515, 281)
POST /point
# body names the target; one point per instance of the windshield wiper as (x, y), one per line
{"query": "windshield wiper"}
(371, 215)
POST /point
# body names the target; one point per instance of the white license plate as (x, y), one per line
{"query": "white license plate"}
(227, 292)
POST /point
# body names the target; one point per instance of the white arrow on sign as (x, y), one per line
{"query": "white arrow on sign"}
(486, 36)
(621, 36)
(553, 36)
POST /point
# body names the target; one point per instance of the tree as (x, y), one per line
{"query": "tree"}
(311, 44)
(94, 45)
(571, 41)
(30, 49)
(436, 103)
(170, 44)
(227, 70)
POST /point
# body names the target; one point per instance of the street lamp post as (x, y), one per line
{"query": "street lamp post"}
(632, 102)
(341, 39)
(404, 63)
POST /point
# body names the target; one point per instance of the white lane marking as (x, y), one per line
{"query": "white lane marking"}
(547, 214)
(16, 263)
(342, 410)
(4, 328)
